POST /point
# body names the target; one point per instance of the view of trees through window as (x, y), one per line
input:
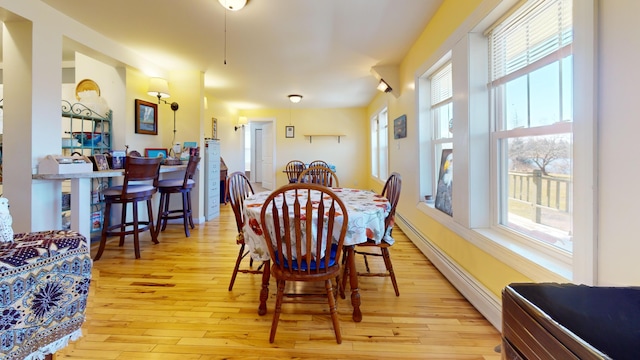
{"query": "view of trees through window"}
(532, 91)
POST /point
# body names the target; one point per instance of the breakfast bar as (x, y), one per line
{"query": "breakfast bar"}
(81, 190)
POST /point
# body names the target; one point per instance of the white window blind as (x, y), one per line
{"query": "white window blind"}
(441, 85)
(537, 30)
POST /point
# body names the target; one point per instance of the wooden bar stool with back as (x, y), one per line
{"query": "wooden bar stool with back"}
(175, 186)
(140, 183)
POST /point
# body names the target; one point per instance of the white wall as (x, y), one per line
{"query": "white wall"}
(619, 148)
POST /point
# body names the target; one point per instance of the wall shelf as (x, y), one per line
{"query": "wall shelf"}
(330, 135)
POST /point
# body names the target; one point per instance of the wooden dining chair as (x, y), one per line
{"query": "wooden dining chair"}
(319, 163)
(174, 186)
(391, 191)
(139, 184)
(293, 170)
(321, 175)
(299, 220)
(238, 188)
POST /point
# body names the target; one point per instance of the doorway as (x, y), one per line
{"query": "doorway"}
(260, 152)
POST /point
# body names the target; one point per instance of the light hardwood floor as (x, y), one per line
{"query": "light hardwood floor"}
(173, 303)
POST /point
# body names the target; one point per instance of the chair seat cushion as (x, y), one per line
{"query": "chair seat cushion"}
(131, 189)
(332, 261)
(175, 182)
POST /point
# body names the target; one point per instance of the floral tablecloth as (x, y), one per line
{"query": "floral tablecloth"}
(367, 212)
(44, 284)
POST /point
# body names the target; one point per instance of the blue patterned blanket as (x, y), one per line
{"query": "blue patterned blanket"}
(44, 284)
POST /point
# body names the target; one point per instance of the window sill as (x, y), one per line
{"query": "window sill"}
(539, 266)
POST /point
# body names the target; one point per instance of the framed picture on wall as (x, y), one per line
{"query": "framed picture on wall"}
(445, 180)
(400, 127)
(289, 131)
(146, 117)
(156, 152)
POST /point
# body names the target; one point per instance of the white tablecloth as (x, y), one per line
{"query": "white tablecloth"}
(367, 212)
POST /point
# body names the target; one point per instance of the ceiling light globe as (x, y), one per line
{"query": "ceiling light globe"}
(233, 5)
(295, 98)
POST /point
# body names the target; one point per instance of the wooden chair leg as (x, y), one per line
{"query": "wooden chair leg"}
(152, 230)
(278, 310)
(161, 214)
(235, 269)
(389, 266)
(123, 223)
(185, 214)
(190, 210)
(333, 309)
(136, 243)
(165, 211)
(103, 236)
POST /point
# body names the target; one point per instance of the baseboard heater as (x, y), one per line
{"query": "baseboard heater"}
(479, 296)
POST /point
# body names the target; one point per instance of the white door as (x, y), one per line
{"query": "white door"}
(256, 165)
(268, 176)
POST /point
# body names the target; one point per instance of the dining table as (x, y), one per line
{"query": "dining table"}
(366, 222)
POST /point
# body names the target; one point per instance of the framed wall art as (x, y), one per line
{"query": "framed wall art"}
(400, 127)
(445, 180)
(156, 152)
(146, 117)
(289, 131)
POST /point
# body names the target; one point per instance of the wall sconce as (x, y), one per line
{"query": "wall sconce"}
(160, 88)
(241, 123)
(383, 86)
(388, 79)
(294, 98)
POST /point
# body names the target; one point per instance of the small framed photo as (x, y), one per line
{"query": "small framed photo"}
(289, 131)
(400, 127)
(146, 117)
(156, 152)
(101, 162)
(117, 159)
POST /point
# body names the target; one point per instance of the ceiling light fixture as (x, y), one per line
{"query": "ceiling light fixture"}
(383, 86)
(295, 98)
(233, 5)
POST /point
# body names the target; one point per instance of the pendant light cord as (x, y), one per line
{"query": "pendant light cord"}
(225, 36)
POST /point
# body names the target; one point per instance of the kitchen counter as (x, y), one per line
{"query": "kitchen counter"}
(81, 184)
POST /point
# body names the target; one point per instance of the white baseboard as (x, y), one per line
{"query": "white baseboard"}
(479, 296)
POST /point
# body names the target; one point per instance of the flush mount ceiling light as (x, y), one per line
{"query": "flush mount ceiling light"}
(233, 5)
(295, 98)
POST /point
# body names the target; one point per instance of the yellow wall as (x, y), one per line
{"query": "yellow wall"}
(491, 272)
(349, 156)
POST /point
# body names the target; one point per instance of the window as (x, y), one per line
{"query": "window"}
(441, 109)
(379, 145)
(531, 89)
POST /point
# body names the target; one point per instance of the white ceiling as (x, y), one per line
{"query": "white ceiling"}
(321, 49)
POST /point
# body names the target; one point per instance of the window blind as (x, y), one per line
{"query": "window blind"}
(537, 30)
(441, 85)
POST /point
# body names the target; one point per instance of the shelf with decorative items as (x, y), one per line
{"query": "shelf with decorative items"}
(330, 135)
(87, 131)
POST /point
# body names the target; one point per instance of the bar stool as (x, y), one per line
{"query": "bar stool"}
(140, 183)
(172, 186)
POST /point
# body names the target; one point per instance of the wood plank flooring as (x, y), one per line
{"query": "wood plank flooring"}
(173, 303)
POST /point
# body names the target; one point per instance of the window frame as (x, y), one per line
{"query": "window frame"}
(376, 150)
(472, 144)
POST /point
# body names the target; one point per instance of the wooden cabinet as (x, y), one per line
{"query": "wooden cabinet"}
(212, 179)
